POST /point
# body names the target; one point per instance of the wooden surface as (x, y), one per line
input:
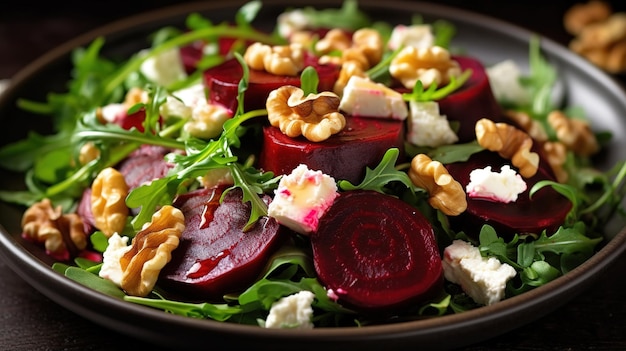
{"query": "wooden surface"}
(594, 320)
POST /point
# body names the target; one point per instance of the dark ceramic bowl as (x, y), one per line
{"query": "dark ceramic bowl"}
(488, 39)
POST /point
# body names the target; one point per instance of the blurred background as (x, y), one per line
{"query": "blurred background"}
(29, 28)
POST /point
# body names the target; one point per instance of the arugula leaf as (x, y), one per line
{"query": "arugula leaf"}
(93, 281)
(432, 93)
(309, 80)
(218, 312)
(383, 174)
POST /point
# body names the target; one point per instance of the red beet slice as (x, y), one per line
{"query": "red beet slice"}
(345, 155)
(192, 54)
(472, 102)
(546, 210)
(376, 252)
(222, 83)
(144, 165)
(215, 257)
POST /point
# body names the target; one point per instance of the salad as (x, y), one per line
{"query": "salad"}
(313, 176)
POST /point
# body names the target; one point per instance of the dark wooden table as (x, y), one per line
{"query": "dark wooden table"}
(594, 320)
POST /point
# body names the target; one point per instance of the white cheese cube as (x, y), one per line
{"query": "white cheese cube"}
(365, 98)
(483, 279)
(504, 79)
(165, 68)
(301, 198)
(111, 267)
(293, 311)
(426, 127)
(417, 35)
(501, 187)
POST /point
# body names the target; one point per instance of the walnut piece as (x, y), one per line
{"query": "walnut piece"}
(575, 134)
(358, 53)
(316, 116)
(556, 155)
(88, 152)
(528, 124)
(599, 34)
(287, 60)
(445, 193)
(151, 249)
(108, 201)
(431, 65)
(581, 15)
(510, 142)
(62, 234)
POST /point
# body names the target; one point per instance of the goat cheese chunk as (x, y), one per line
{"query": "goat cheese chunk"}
(302, 197)
(111, 267)
(483, 279)
(293, 311)
(504, 79)
(363, 97)
(417, 35)
(165, 68)
(501, 187)
(426, 127)
(293, 21)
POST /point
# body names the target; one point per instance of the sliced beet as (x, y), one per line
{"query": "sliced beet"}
(376, 252)
(475, 100)
(144, 165)
(546, 210)
(192, 54)
(222, 83)
(345, 155)
(215, 257)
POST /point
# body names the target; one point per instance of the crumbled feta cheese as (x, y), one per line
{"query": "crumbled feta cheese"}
(207, 120)
(365, 98)
(111, 267)
(417, 35)
(426, 127)
(292, 21)
(301, 198)
(504, 78)
(483, 279)
(502, 187)
(165, 68)
(293, 311)
(112, 112)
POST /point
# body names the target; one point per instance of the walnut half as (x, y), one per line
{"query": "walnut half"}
(151, 250)
(510, 143)
(446, 194)
(62, 234)
(108, 201)
(316, 116)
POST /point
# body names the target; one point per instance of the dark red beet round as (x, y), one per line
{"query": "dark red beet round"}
(376, 252)
(546, 210)
(222, 83)
(473, 101)
(215, 257)
(145, 164)
(345, 155)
